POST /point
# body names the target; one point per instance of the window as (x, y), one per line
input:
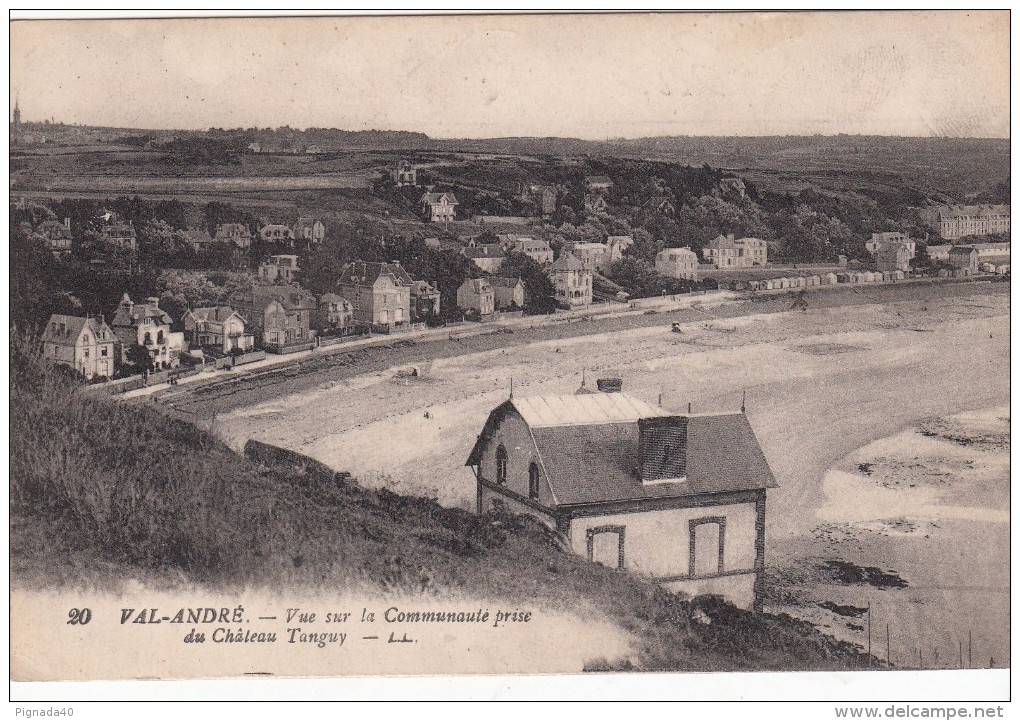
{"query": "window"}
(605, 545)
(707, 546)
(533, 481)
(501, 461)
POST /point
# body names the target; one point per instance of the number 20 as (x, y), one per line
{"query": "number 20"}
(78, 616)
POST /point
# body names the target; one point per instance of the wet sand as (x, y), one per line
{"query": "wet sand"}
(820, 384)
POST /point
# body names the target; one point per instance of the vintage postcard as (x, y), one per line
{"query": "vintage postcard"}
(509, 344)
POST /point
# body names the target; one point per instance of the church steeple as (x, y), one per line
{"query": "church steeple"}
(16, 129)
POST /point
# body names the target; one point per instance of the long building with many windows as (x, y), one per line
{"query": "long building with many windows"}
(958, 221)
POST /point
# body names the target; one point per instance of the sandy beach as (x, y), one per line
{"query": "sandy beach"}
(820, 385)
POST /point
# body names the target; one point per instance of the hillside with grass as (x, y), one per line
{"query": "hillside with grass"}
(105, 492)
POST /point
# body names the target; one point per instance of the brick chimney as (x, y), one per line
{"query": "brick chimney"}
(610, 385)
(662, 449)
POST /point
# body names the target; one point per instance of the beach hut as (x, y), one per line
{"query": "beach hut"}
(867, 277)
(830, 279)
(899, 275)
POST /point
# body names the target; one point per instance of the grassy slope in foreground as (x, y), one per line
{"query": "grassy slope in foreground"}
(102, 492)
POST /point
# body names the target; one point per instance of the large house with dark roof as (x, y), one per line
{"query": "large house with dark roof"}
(679, 498)
(148, 326)
(57, 235)
(279, 316)
(87, 345)
(218, 327)
(439, 207)
(309, 231)
(380, 293)
(572, 280)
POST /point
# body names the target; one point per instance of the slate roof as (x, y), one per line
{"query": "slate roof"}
(74, 326)
(432, 198)
(720, 242)
(302, 223)
(292, 297)
(591, 462)
(216, 314)
(502, 282)
(132, 316)
(362, 272)
(567, 261)
(477, 285)
(198, 236)
(483, 251)
(54, 229)
(327, 298)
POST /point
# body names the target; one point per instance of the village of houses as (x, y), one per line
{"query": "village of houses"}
(278, 316)
(701, 477)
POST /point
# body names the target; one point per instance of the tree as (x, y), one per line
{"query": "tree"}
(539, 292)
(180, 290)
(139, 357)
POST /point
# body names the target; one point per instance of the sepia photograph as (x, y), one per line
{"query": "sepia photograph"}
(520, 345)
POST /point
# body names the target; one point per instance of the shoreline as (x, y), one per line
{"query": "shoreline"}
(908, 535)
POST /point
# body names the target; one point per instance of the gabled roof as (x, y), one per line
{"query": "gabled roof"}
(597, 461)
(291, 296)
(674, 252)
(362, 272)
(54, 229)
(132, 315)
(721, 241)
(434, 198)
(197, 235)
(962, 250)
(327, 298)
(304, 222)
(502, 282)
(477, 285)
(74, 326)
(423, 288)
(216, 314)
(567, 261)
(492, 250)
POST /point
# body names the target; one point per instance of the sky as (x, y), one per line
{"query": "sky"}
(586, 76)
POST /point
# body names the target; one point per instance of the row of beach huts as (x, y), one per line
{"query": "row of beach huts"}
(867, 276)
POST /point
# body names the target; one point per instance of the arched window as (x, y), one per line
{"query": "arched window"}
(533, 481)
(501, 459)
